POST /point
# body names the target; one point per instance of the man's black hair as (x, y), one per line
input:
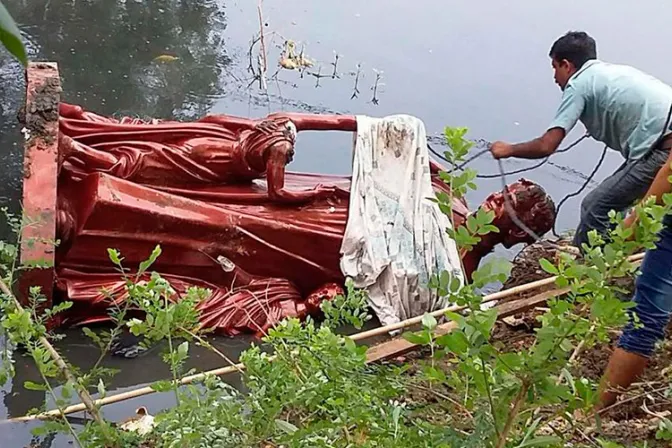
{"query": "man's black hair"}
(575, 46)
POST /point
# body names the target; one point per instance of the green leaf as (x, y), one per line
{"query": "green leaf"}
(150, 261)
(417, 338)
(487, 217)
(548, 266)
(444, 279)
(101, 388)
(472, 224)
(93, 336)
(34, 386)
(162, 386)
(11, 37)
(66, 392)
(285, 426)
(488, 228)
(562, 282)
(183, 349)
(429, 322)
(455, 284)
(454, 341)
(114, 255)
(664, 430)
(456, 317)
(434, 374)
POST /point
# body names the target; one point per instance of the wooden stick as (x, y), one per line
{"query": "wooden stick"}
(356, 337)
(263, 61)
(486, 299)
(399, 346)
(87, 401)
(127, 395)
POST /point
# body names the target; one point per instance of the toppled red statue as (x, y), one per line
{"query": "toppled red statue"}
(215, 195)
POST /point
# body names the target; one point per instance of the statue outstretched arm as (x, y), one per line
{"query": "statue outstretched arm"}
(275, 177)
(235, 124)
(316, 122)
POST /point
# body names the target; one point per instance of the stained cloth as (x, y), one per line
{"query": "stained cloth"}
(395, 236)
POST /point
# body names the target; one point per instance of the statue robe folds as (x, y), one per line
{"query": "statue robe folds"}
(395, 238)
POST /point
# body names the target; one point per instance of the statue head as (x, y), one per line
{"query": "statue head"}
(259, 143)
(284, 139)
(531, 204)
(327, 291)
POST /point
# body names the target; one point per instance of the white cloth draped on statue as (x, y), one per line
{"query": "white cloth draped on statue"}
(395, 237)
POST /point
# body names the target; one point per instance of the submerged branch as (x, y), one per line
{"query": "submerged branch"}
(63, 367)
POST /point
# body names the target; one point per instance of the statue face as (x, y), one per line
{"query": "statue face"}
(325, 292)
(532, 206)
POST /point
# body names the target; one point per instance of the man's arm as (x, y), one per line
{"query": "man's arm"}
(568, 114)
(538, 148)
(661, 184)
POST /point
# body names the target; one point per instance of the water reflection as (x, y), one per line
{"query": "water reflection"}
(81, 352)
(106, 51)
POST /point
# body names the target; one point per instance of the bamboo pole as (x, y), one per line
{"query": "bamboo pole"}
(146, 390)
(486, 299)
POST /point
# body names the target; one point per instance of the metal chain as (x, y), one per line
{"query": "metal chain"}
(507, 195)
(579, 191)
(538, 165)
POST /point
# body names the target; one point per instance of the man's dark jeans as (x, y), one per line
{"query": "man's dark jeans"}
(653, 298)
(618, 192)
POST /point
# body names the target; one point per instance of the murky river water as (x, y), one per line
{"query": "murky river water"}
(483, 65)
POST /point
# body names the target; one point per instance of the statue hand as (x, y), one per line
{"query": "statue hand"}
(325, 191)
(66, 148)
(271, 123)
(320, 192)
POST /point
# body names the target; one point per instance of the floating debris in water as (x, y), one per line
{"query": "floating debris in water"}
(142, 423)
(289, 64)
(290, 60)
(166, 58)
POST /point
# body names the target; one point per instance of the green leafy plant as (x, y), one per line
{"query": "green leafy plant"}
(10, 36)
(351, 308)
